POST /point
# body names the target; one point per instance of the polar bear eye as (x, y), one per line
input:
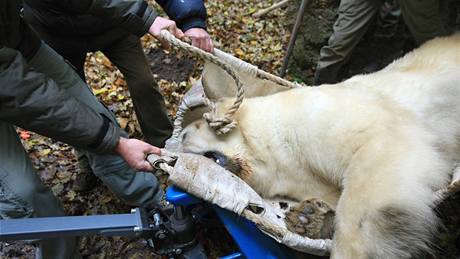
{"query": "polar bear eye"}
(217, 157)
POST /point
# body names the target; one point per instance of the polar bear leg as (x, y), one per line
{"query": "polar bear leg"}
(385, 210)
(391, 231)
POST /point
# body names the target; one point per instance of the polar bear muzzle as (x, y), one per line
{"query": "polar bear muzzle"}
(236, 165)
(217, 157)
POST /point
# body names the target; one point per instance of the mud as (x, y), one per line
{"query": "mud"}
(172, 66)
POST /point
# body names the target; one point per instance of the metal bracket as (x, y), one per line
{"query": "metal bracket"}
(131, 224)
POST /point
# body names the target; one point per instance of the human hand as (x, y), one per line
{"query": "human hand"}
(200, 39)
(161, 23)
(134, 152)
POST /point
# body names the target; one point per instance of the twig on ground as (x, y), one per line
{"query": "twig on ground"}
(264, 11)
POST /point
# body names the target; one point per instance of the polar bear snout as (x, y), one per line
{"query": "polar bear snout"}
(217, 157)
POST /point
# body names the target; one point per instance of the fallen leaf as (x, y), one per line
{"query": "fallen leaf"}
(71, 195)
(44, 152)
(24, 134)
(123, 122)
(100, 91)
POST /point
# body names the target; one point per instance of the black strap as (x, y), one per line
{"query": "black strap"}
(102, 132)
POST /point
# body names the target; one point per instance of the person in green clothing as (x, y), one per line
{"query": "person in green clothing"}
(425, 19)
(40, 92)
(74, 34)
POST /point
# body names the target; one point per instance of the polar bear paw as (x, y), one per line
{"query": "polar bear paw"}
(311, 218)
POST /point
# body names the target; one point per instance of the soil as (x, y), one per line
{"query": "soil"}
(313, 33)
(173, 67)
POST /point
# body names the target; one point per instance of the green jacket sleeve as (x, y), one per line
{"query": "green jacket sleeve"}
(133, 15)
(33, 101)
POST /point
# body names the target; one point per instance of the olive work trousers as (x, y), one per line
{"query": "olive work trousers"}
(22, 194)
(125, 51)
(425, 19)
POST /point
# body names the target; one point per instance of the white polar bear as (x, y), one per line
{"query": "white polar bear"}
(375, 147)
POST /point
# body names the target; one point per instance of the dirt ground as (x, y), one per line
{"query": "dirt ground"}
(259, 41)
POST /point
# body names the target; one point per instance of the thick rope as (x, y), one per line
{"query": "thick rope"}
(221, 124)
(180, 114)
(254, 70)
(162, 162)
(194, 97)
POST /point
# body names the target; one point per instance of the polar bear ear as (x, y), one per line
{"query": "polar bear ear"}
(217, 83)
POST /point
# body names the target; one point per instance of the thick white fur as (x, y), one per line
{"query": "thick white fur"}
(376, 147)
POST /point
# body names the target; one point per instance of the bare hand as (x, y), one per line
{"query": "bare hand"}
(200, 39)
(134, 152)
(161, 23)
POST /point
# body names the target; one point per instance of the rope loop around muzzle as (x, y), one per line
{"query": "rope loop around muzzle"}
(221, 124)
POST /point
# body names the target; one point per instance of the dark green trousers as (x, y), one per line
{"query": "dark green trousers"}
(354, 18)
(22, 194)
(125, 51)
(425, 19)
(128, 55)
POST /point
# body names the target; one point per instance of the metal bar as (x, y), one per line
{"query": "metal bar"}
(295, 30)
(49, 227)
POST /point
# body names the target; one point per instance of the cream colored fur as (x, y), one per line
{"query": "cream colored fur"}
(376, 147)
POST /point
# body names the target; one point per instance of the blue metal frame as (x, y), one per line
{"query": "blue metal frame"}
(56, 227)
(252, 242)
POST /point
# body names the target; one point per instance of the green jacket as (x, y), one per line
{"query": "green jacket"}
(77, 16)
(73, 18)
(33, 101)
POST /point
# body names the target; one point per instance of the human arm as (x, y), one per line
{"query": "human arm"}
(190, 17)
(134, 16)
(138, 18)
(33, 101)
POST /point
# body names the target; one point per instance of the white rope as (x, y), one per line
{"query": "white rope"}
(253, 70)
(221, 124)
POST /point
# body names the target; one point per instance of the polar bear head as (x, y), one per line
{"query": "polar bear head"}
(228, 150)
(256, 152)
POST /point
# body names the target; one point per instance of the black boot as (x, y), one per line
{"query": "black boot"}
(85, 180)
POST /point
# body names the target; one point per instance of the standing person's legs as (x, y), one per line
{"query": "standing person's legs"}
(73, 51)
(128, 55)
(135, 188)
(85, 179)
(22, 194)
(425, 18)
(354, 18)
